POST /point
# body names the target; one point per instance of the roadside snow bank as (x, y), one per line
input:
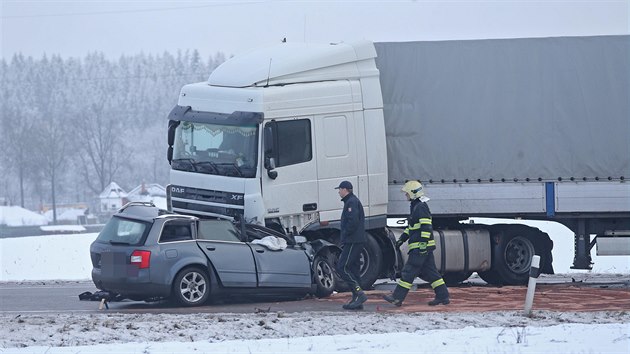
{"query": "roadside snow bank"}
(64, 330)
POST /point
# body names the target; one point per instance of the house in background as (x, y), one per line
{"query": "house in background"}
(151, 192)
(114, 197)
(111, 199)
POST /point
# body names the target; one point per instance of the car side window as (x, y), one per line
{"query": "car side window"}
(217, 230)
(174, 231)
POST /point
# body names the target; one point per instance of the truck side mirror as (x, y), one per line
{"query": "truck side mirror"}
(270, 163)
(270, 143)
(172, 125)
(169, 154)
(269, 136)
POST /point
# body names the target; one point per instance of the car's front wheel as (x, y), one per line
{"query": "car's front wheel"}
(324, 275)
(191, 287)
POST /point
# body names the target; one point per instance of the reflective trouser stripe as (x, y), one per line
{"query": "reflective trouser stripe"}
(431, 243)
(414, 226)
(404, 284)
(420, 245)
(425, 234)
(437, 283)
(425, 221)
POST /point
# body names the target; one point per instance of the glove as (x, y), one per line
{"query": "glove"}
(399, 243)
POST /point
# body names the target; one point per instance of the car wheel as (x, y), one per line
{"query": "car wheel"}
(324, 275)
(191, 287)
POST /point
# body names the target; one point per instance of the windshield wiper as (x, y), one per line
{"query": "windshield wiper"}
(238, 170)
(208, 163)
(191, 163)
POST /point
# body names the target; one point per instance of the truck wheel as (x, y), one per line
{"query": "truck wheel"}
(324, 275)
(513, 258)
(454, 278)
(371, 260)
(491, 277)
(191, 287)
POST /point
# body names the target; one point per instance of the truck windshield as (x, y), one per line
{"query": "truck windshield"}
(225, 150)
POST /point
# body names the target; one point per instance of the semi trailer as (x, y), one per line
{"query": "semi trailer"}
(529, 128)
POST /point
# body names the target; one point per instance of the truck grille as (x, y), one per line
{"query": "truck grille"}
(207, 195)
(202, 209)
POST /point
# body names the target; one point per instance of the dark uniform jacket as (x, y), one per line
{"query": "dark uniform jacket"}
(352, 220)
(419, 231)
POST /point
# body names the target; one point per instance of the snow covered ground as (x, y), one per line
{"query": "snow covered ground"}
(66, 257)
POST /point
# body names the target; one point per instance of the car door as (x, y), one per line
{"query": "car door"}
(232, 259)
(289, 267)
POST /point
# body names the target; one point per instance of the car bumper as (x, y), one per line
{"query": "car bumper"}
(134, 284)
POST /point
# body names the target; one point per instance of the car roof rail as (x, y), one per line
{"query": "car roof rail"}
(148, 204)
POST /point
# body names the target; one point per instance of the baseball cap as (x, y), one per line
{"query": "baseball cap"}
(345, 185)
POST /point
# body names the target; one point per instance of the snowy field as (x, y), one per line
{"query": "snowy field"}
(66, 257)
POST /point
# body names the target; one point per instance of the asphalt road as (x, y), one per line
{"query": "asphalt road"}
(62, 297)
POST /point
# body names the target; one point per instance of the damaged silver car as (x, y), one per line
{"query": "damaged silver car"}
(145, 253)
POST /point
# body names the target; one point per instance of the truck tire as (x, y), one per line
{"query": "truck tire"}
(191, 287)
(324, 274)
(512, 255)
(491, 277)
(455, 278)
(371, 259)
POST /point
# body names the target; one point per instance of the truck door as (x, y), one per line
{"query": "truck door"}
(232, 259)
(338, 159)
(294, 189)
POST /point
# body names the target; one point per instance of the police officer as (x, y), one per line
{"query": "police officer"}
(420, 262)
(352, 241)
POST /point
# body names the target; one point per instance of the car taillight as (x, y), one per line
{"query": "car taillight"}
(141, 258)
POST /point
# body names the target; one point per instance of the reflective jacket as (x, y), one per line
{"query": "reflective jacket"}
(419, 231)
(352, 220)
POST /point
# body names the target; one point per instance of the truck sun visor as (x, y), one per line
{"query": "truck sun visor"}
(185, 113)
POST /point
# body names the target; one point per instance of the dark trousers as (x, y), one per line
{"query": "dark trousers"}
(420, 265)
(348, 266)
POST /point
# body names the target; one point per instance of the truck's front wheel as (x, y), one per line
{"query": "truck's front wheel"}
(371, 260)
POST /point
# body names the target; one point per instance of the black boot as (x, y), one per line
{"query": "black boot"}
(396, 298)
(441, 296)
(353, 299)
(357, 303)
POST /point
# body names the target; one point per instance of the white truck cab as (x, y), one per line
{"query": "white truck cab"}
(273, 132)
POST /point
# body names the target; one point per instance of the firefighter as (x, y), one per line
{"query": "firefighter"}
(420, 262)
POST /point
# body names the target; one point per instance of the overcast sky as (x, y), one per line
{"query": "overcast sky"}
(115, 27)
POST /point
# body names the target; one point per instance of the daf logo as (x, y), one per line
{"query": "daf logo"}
(237, 197)
(178, 189)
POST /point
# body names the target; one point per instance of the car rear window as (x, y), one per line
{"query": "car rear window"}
(123, 231)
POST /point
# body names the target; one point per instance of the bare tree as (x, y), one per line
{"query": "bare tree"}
(101, 146)
(51, 136)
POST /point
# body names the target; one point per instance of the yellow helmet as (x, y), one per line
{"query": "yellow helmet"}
(413, 189)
